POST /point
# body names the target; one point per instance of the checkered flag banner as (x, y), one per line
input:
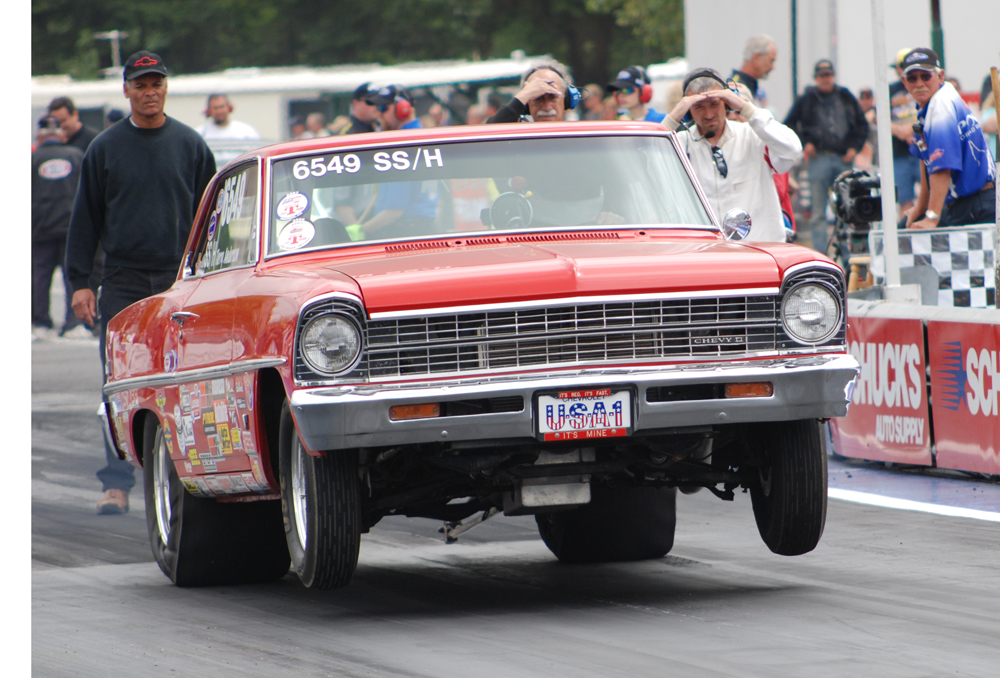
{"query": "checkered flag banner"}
(961, 255)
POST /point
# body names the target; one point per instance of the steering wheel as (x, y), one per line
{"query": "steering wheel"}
(511, 210)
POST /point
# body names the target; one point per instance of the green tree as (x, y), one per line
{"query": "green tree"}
(594, 37)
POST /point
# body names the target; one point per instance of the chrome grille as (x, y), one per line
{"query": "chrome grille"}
(571, 334)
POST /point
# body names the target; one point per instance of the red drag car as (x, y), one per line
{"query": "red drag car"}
(448, 323)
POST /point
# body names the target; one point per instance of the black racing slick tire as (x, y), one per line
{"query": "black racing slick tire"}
(619, 524)
(789, 486)
(321, 503)
(198, 541)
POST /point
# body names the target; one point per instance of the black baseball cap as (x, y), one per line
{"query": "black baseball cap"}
(920, 59)
(363, 90)
(823, 66)
(387, 95)
(633, 76)
(142, 63)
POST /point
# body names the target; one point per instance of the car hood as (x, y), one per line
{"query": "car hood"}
(500, 273)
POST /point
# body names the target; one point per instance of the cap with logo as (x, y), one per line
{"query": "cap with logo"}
(387, 95)
(920, 59)
(633, 76)
(142, 63)
(823, 67)
(363, 90)
(900, 55)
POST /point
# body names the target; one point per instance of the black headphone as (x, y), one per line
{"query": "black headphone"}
(572, 95)
(702, 73)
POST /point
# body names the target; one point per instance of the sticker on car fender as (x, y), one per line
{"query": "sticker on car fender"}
(296, 235)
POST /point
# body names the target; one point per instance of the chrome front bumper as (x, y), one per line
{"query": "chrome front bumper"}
(336, 417)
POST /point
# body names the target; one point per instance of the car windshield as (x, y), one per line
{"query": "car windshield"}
(479, 187)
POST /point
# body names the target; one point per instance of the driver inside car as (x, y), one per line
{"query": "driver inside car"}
(552, 200)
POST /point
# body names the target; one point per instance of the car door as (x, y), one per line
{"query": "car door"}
(212, 410)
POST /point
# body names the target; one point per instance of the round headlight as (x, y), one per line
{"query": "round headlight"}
(811, 313)
(330, 343)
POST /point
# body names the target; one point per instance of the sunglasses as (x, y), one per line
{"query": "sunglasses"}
(920, 75)
(625, 91)
(720, 162)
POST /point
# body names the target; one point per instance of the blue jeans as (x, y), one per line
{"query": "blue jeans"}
(122, 287)
(823, 169)
(907, 172)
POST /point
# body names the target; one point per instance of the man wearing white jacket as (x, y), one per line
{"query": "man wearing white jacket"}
(735, 161)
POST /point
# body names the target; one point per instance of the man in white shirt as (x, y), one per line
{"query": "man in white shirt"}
(220, 125)
(735, 161)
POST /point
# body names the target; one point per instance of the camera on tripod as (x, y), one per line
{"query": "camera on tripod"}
(856, 199)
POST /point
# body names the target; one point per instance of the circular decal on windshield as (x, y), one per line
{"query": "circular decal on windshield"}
(211, 225)
(295, 235)
(55, 169)
(292, 205)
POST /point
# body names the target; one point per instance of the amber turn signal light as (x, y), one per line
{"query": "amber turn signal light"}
(759, 389)
(402, 412)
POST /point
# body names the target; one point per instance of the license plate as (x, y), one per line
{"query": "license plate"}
(583, 414)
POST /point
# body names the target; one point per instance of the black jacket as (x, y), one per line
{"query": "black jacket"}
(139, 191)
(807, 119)
(55, 173)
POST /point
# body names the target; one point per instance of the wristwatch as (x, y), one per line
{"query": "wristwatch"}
(931, 214)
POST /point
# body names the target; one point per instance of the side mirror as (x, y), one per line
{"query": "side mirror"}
(736, 224)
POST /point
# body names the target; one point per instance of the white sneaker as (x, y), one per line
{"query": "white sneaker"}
(43, 334)
(78, 333)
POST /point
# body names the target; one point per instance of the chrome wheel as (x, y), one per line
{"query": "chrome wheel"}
(161, 487)
(300, 502)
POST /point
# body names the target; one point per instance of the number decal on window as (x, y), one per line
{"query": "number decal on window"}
(318, 167)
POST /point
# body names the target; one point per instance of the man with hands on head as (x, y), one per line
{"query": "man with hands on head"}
(957, 172)
(546, 94)
(734, 161)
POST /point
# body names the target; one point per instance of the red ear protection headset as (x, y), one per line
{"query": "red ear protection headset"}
(403, 107)
(646, 90)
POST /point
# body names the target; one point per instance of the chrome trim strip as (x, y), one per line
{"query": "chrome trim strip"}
(185, 376)
(793, 270)
(569, 301)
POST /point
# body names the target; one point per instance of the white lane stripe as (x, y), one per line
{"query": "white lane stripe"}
(907, 505)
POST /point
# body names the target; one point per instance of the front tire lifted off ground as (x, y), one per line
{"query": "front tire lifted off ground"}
(321, 503)
(789, 486)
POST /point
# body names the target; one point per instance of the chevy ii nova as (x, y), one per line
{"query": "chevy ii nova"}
(539, 320)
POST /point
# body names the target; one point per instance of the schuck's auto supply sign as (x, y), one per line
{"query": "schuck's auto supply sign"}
(887, 420)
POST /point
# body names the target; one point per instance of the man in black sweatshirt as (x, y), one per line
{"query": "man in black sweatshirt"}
(140, 186)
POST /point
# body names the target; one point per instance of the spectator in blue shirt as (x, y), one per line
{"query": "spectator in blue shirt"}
(958, 175)
(403, 208)
(633, 90)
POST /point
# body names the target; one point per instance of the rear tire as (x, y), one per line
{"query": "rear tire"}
(321, 503)
(201, 542)
(790, 488)
(619, 524)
